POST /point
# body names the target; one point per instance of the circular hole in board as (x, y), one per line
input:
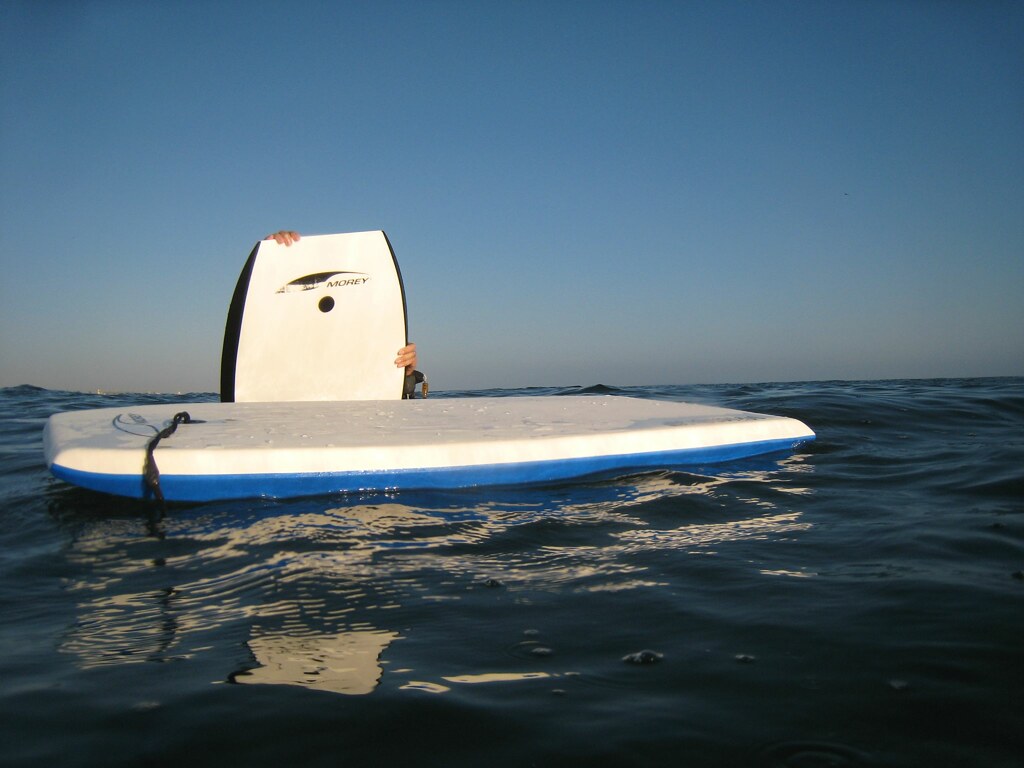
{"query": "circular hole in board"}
(326, 304)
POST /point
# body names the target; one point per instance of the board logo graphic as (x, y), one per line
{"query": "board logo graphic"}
(324, 279)
(134, 424)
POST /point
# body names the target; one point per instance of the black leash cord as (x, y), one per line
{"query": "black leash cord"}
(150, 472)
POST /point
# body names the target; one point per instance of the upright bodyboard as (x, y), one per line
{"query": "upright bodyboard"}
(318, 320)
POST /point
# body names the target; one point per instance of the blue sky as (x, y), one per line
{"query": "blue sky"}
(581, 192)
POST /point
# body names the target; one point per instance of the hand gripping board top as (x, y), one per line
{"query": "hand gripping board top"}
(321, 319)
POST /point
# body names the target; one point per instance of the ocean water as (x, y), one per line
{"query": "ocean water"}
(857, 603)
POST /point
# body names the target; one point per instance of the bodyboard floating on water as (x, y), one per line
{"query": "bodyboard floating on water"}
(291, 449)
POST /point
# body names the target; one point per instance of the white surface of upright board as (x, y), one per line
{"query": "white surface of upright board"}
(321, 319)
(238, 450)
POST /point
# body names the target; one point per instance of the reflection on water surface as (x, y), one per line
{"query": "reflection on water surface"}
(348, 662)
(318, 594)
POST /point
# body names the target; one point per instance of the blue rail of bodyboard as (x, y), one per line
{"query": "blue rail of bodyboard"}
(283, 486)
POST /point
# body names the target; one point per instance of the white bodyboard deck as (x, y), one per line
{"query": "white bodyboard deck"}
(281, 450)
(321, 319)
